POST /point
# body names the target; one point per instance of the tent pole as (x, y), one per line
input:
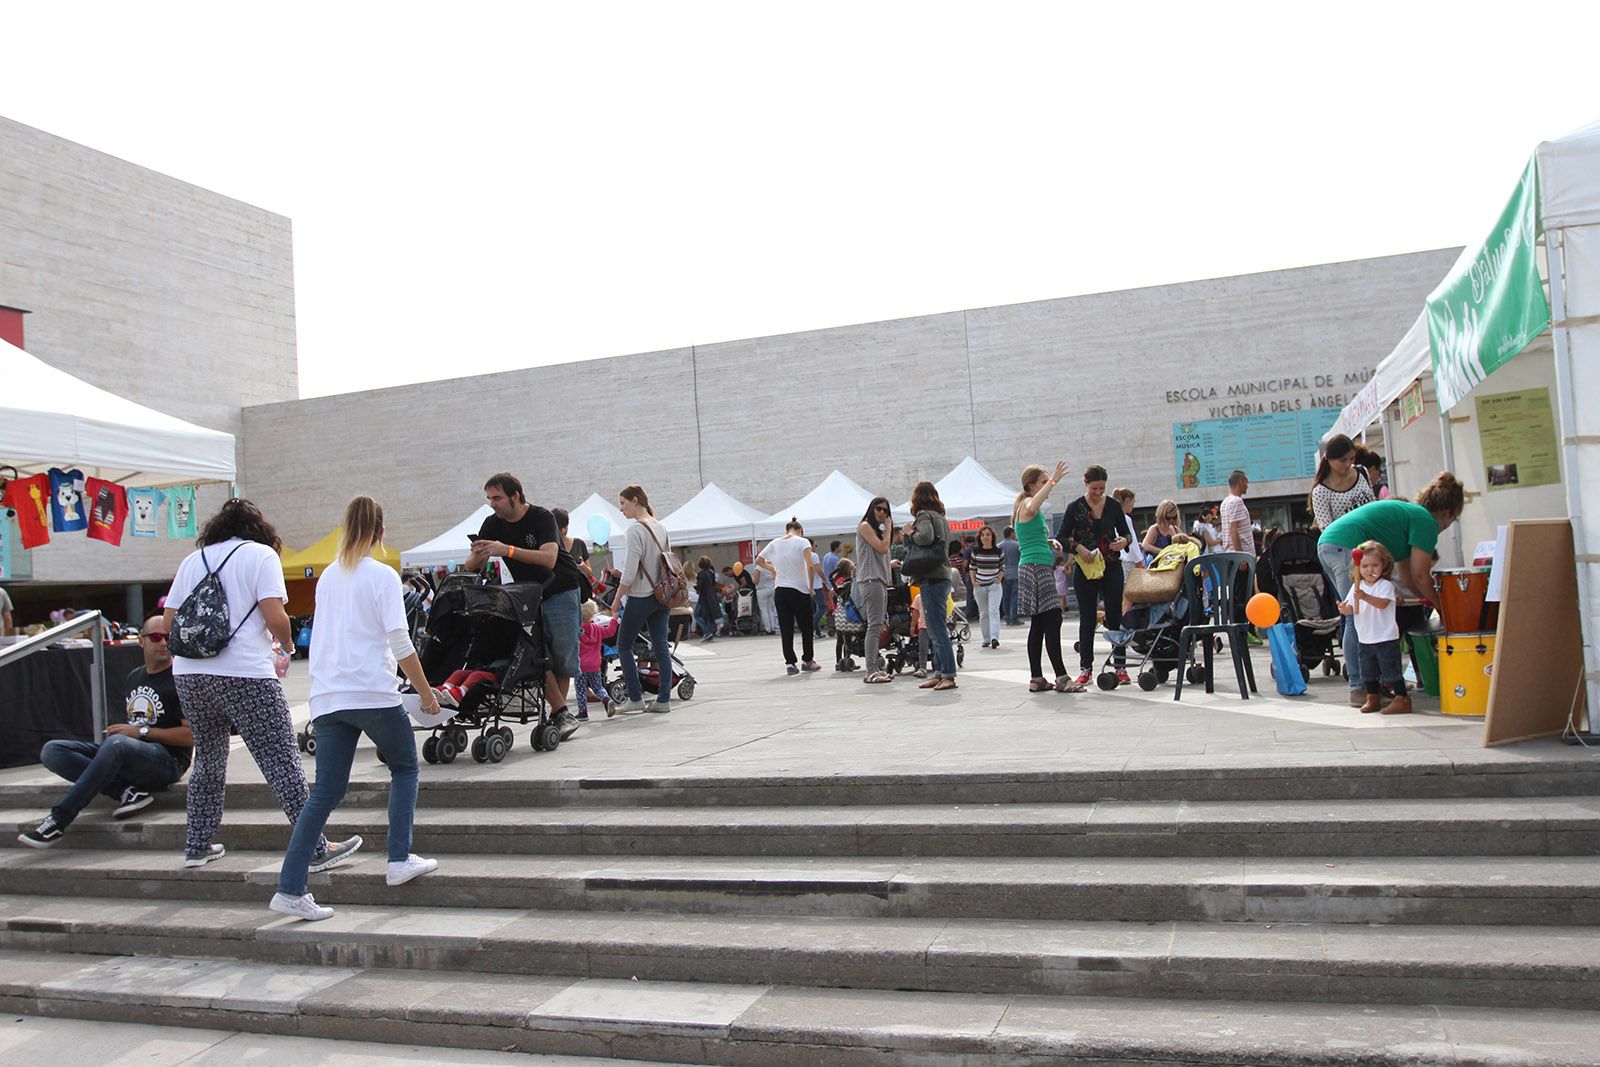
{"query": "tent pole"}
(1450, 465)
(1566, 414)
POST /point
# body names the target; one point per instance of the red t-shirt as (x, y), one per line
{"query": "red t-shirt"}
(108, 510)
(30, 498)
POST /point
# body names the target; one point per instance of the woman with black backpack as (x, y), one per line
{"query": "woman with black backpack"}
(230, 642)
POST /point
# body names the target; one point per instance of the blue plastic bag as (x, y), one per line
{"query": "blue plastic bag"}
(1286, 660)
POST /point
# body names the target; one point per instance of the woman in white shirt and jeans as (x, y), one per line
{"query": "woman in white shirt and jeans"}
(645, 541)
(361, 636)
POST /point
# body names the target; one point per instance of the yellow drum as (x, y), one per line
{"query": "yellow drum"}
(1466, 664)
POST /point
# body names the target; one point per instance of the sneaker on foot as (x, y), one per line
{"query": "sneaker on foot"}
(792, 669)
(200, 859)
(44, 835)
(413, 866)
(810, 665)
(660, 707)
(628, 706)
(1358, 697)
(567, 723)
(133, 801)
(338, 852)
(301, 907)
(1123, 679)
(1085, 678)
(446, 698)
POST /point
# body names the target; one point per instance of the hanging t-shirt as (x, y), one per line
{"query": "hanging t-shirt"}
(182, 523)
(30, 499)
(108, 510)
(144, 505)
(67, 513)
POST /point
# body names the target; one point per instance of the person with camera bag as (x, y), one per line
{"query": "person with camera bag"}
(648, 567)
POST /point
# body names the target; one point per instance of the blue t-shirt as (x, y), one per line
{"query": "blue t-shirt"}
(830, 561)
(182, 522)
(1013, 553)
(67, 510)
(144, 509)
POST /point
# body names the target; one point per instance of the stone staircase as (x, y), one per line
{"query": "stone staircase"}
(1364, 911)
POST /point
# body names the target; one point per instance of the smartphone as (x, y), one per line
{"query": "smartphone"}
(474, 538)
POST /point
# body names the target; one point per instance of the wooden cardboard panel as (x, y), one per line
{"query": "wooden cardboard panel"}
(1539, 647)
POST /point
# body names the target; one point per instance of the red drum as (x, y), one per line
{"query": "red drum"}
(1463, 603)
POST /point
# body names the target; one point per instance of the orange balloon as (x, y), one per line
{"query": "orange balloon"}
(738, 569)
(1262, 610)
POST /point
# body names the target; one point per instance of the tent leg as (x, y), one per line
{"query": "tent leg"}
(1566, 414)
(1450, 465)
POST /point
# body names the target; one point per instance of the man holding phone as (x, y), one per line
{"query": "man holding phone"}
(525, 537)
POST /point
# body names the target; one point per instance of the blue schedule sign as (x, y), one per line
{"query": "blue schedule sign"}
(1279, 446)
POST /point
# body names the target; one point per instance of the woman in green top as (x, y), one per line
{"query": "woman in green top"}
(1036, 579)
(1410, 531)
(929, 527)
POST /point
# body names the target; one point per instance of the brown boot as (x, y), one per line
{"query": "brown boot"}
(1400, 705)
(1373, 703)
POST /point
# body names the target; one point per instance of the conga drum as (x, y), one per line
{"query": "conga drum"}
(1464, 606)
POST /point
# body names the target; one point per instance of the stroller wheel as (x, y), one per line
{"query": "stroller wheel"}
(459, 735)
(1194, 674)
(508, 737)
(686, 689)
(1162, 674)
(430, 750)
(1077, 646)
(617, 690)
(447, 748)
(480, 749)
(550, 734)
(311, 743)
(961, 654)
(1148, 681)
(536, 739)
(496, 748)
(1106, 680)
(966, 632)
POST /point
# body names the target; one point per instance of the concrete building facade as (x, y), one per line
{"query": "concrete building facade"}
(171, 295)
(1099, 378)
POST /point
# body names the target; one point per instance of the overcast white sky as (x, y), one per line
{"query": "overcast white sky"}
(482, 186)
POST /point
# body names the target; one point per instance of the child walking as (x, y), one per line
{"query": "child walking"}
(591, 636)
(1371, 604)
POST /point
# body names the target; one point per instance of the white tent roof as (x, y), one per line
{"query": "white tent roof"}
(1396, 371)
(578, 520)
(1569, 194)
(710, 517)
(833, 507)
(450, 546)
(48, 418)
(969, 491)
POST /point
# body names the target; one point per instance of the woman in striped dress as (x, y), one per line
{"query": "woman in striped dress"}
(987, 566)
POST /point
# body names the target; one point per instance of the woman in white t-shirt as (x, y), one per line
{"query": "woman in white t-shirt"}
(793, 566)
(238, 689)
(646, 542)
(361, 637)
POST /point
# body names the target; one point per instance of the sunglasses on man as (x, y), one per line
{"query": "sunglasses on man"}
(154, 635)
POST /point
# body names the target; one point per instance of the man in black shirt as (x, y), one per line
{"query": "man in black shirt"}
(526, 539)
(149, 751)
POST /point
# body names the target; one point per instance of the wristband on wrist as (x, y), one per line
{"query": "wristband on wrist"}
(511, 552)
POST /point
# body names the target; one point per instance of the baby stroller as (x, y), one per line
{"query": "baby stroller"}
(1306, 599)
(644, 656)
(1151, 630)
(744, 613)
(850, 630)
(496, 628)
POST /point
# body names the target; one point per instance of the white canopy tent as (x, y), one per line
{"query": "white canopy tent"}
(578, 520)
(1410, 360)
(834, 507)
(450, 546)
(969, 491)
(48, 419)
(712, 516)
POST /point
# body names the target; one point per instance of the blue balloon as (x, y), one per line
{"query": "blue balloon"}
(599, 529)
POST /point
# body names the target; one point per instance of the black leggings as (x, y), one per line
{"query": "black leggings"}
(1044, 631)
(794, 611)
(1089, 590)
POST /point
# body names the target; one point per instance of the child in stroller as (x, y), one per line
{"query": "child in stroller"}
(849, 628)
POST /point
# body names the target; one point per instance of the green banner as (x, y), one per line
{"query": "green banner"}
(1492, 303)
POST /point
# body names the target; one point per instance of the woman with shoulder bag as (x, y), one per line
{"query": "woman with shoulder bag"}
(870, 589)
(927, 561)
(646, 546)
(1092, 531)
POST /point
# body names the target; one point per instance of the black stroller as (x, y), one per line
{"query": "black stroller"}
(1307, 600)
(1151, 632)
(497, 628)
(644, 657)
(850, 630)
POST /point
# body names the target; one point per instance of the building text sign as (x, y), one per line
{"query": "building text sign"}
(1272, 447)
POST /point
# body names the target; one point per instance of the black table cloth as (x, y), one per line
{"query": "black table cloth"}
(46, 696)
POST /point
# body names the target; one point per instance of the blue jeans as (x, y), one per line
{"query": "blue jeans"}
(989, 597)
(706, 615)
(639, 612)
(109, 767)
(935, 617)
(1008, 600)
(1335, 560)
(1382, 660)
(337, 734)
(563, 619)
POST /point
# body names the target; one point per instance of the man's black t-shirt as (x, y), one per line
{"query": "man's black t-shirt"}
(580, 551)
(153, 702)
(535, 529)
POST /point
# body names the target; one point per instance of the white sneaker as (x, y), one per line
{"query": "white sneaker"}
(302, 907)
(414, 866)
(200, 859)
(445, 698)
(627, 706)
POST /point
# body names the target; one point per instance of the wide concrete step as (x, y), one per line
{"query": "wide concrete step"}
(1501, 966)
(1542, 890)
(762, 1023)
(1537, 769)
(1500, 826)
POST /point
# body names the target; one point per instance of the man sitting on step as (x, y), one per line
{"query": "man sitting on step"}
(149, 751)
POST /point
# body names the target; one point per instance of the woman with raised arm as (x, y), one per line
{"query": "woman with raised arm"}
(1036, 579)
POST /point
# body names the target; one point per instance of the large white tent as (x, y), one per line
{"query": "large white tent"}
(969, 491)
(48, 418)
(450, 546)
(712, 516)
(834, 507)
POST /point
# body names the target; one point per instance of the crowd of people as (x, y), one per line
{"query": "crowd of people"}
(215, 655)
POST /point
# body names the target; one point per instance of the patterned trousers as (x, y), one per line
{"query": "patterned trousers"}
(589, 685)
(255, 707)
